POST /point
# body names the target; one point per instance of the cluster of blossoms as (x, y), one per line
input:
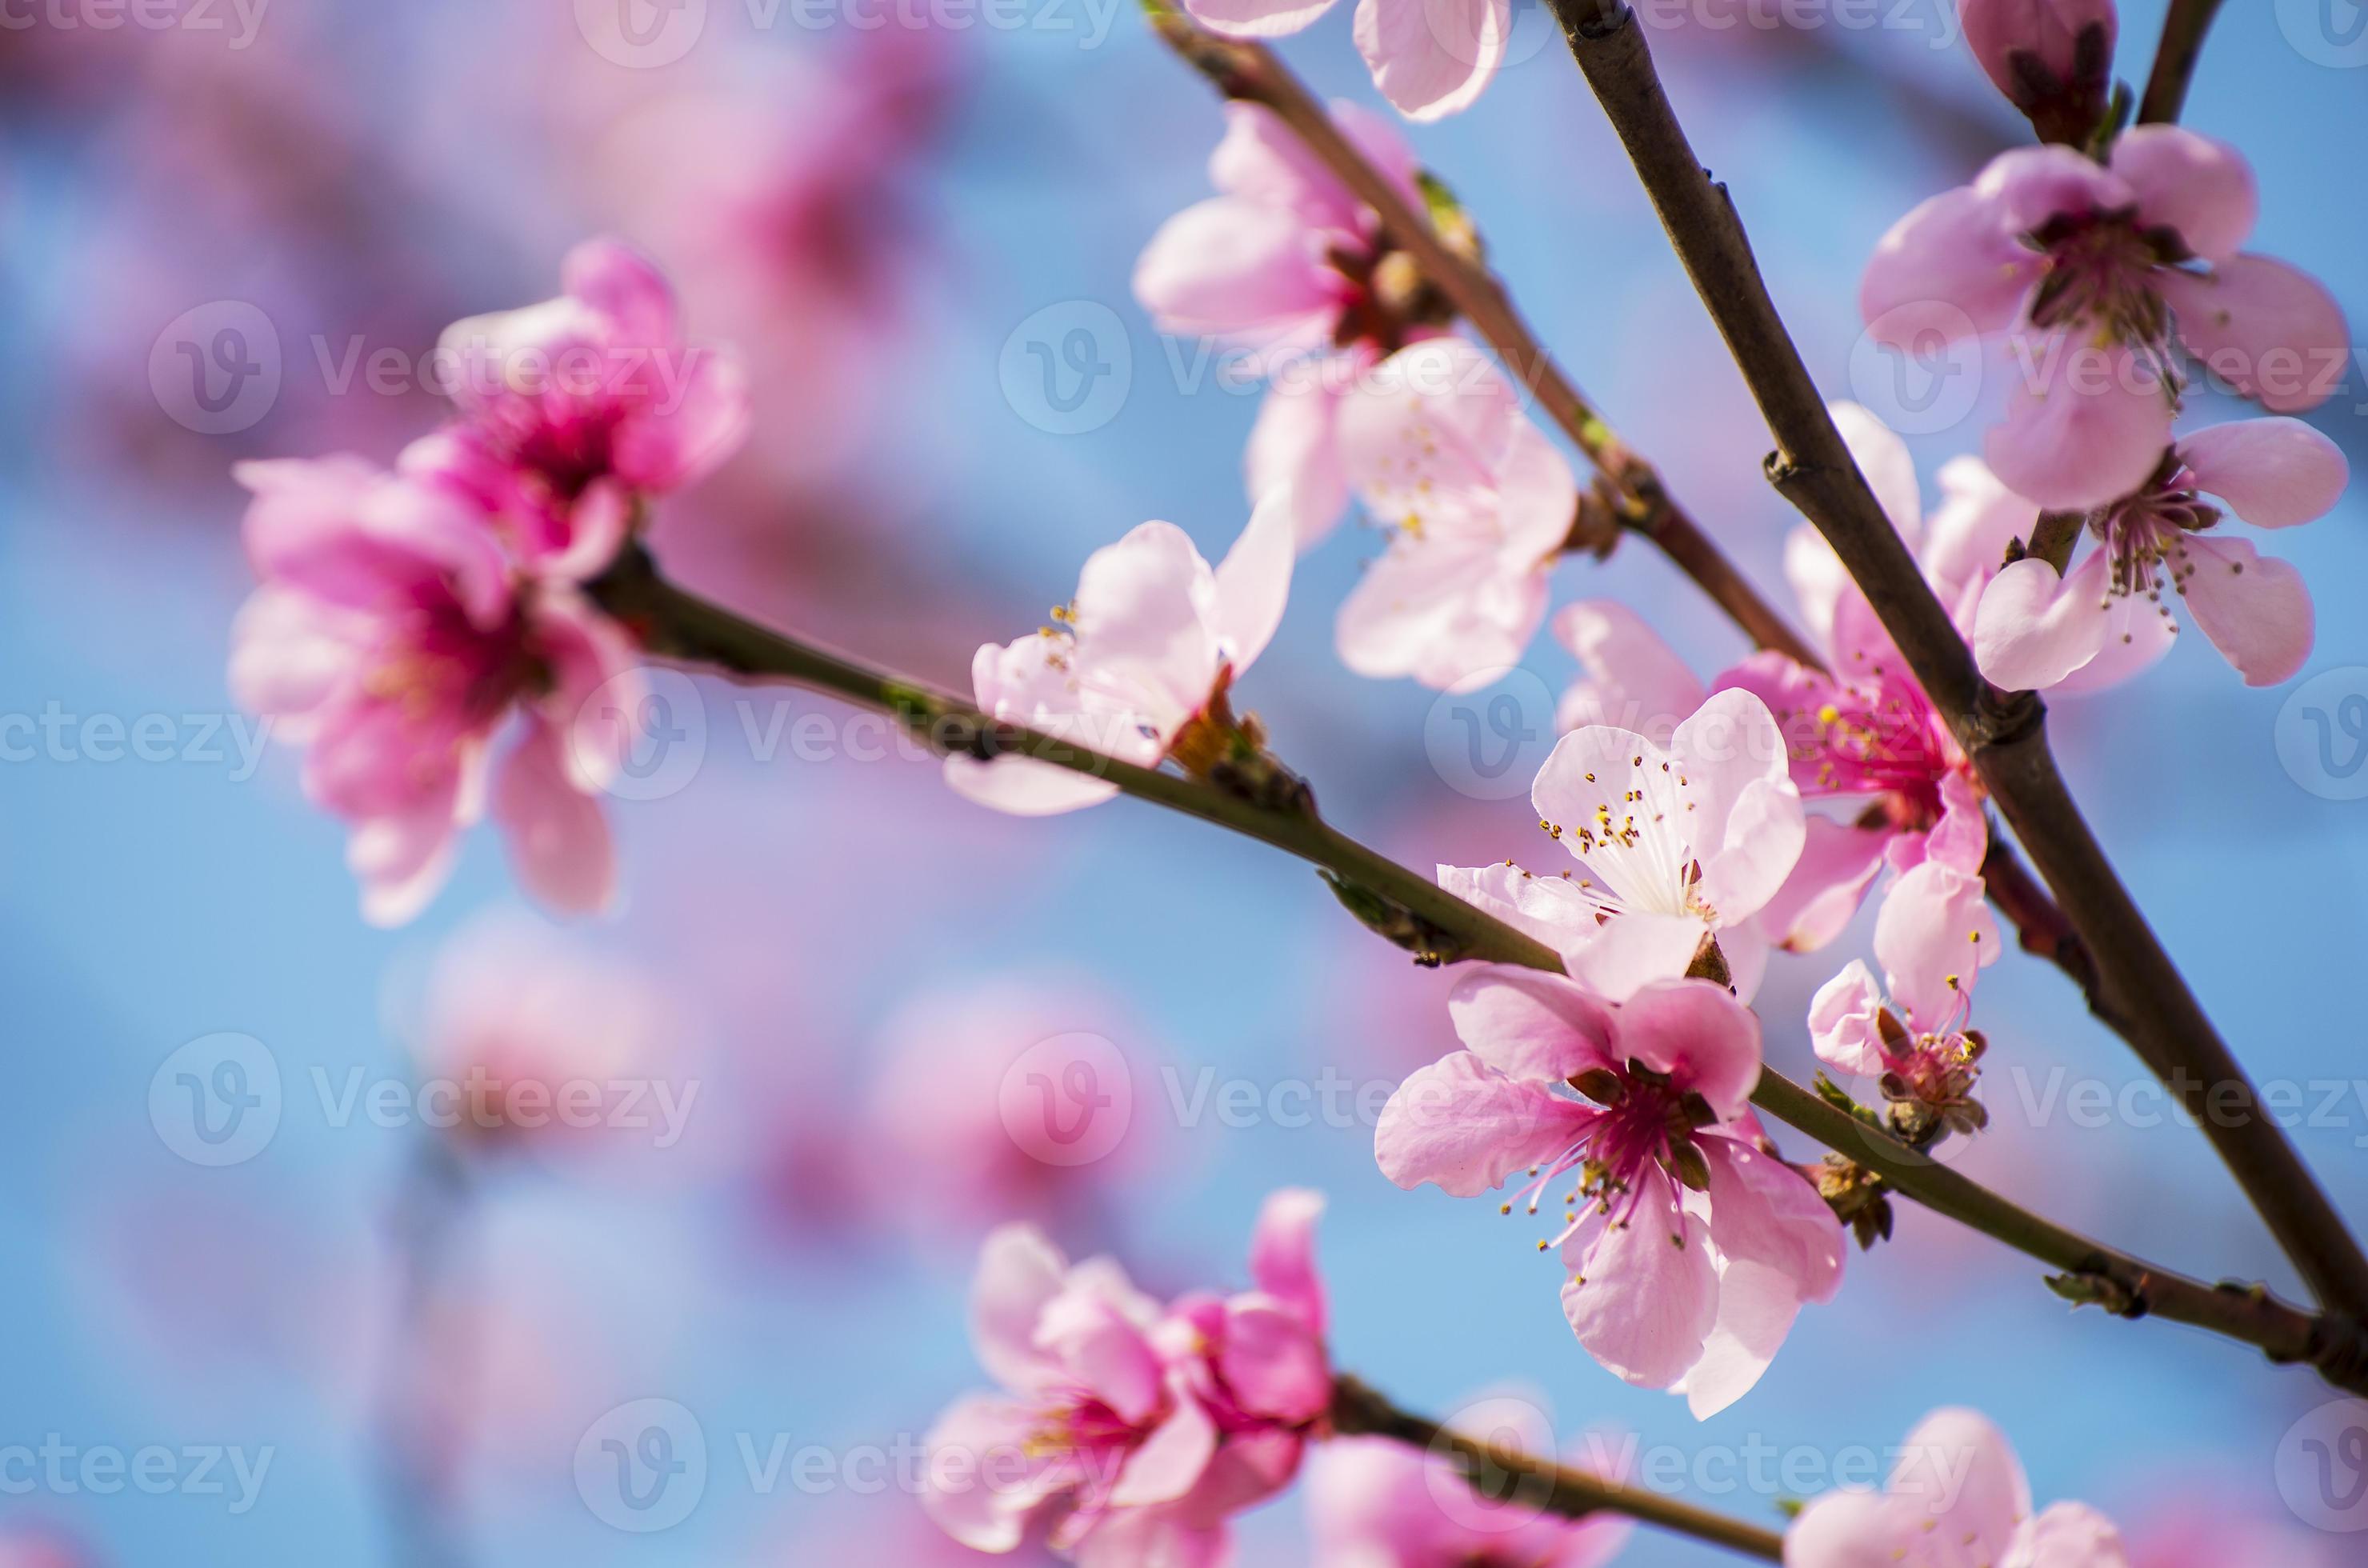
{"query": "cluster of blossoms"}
(1128, 1432)
(406, 615)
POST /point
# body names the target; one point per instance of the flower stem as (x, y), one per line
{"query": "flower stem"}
(2003, 734)
(1516, 1480)
(1440, 928)
(1247, 72)
(2174, 61)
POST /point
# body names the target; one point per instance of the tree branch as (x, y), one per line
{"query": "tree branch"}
(1414, 910)
(2174, 61)
(2003, 734)
(1251, 73)
(1501, 1474)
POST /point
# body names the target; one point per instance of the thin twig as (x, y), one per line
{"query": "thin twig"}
(1508, 1477)
(1251, 73)
(2174, 62)
(673, 623)
(2003, 734)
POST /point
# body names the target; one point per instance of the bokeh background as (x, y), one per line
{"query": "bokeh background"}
(878, 216)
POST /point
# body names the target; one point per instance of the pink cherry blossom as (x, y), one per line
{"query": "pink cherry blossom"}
(1286, 265)
(1372, 1502)
(393, 638)
(1129, 1434)
(1933, 939)
(528, 1038)
(1153, 641)
(1679, 844)
(1430, 58)
(1436, 444)
(2036, 628)
(573, 408)
(2052, 59)
(1957, 1498)
(1690, 1247)
(2096, 271)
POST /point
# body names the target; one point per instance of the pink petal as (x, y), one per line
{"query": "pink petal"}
(1552, 909)
(1852, 1529)
(2253, 606)
(1747, 825)
(2270, 332)
(1170, 1461)
(969, 1485)
(403, 859)
(2031, 185)
(1019, 1274)
(1634, 681)
(1633, 949)
(2034, 628)
(1098, 1350)
(356, 536)
(1764, 1211)
(2083, 426)
(2069, 1535)
(697, 415)
(1273, 1362)
(596, 684)
(1978, 515)
(1256, 18)
(1842, 1026)
(1232, 269)
(1291, 446)
(1282, 1253)
(1261, 161)
(1151, 1537)
(624, 285)
(1934, 928)
(1452, 618)
(2272, 472)
(2202, 188)
(2047, 29)
(1838, 861)
(1886, 461)
(1432, 58)
(1146, 608)
(557, 834)
(1757, 1307)
(1529, 1025)
(1704, 1039)
(1957, 1478)
(291, 654)
(1024, 789)
(1645, 1295)
(1253, 581)
(1465, 1127)
(1951, 266)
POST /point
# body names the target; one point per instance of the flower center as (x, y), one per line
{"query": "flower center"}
(2100, 277)
(1646, 1120)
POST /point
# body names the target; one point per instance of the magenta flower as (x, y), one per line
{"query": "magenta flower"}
(1126, 1435)
(2035, 629)
(393, 637)
(1680, 843)
(2096, 271)
(1690, 1247)
(2052, 59)
(1376, 1504)
(1430, 58)
(1933, 938)
(1153, 642)
(575, 408)
(1287, 265)
(1436, 444)
(1957, 1498)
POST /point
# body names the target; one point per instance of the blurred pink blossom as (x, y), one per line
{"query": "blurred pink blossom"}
(1430, 58)
(1372, 1502)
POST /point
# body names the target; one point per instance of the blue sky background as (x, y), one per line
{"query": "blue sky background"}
(439, 166)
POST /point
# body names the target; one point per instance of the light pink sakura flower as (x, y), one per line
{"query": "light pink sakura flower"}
(1933, 939)
(1287, 265)
(1376, 1504)
(2095, 270)
(2035, 629)
(391, 638)
(1957, 1498)
(1154, 640)
(1690, 1247)
(1430, 58)
(573, 408)
(2052, 59)
(1437, 445)
(1678, 843)
(1126, 1435)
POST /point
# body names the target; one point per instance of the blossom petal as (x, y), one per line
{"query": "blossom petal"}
(1842, 1026)
(1746, 826)
(2254, 607)
(1756, 1308)
(1256, 18)
(1702, 1037)
(1889, 468)
(1645, 1295)
(2269, 331)
(1764, 1211)
(1282, 1253)
(1934, 936)
(1951, 266)
(1240, 270)
(1464, 1126)
(2273, 473)
(1838, 859)
(1019, 1274)
(2069, 1535)
(1253, 581)
(1634, 681)
(557, 834)
(1273, 1361)
(1957, 1476)
(1635, 949)
(1528, 1024)
(968, 1487)
(2202, 188)
(1432, 58)
(2089, 430)
(2033, 627)
(1098, 1349)
(1291, 446)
